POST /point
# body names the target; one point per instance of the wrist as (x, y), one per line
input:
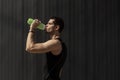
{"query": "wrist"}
(32, 29)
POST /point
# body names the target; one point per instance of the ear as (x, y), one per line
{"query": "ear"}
(57, 27)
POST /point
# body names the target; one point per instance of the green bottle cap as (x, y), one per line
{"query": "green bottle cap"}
(29, 21)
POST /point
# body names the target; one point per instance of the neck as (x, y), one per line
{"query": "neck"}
(55, 36)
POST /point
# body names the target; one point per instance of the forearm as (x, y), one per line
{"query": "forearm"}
(30, 39)
(30, 44)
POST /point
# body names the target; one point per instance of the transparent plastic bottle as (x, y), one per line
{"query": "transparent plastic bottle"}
(41, 26)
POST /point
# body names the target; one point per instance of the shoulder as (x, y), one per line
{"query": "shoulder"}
(52, 43)
(56, 46)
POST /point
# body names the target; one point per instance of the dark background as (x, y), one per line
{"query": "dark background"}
(92, 31)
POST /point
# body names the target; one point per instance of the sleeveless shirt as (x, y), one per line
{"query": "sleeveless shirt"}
(56, 62)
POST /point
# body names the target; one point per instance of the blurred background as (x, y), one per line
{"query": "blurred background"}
(92, 35)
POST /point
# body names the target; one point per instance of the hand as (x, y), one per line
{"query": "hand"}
(35, 23)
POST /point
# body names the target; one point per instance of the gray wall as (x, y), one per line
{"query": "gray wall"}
(91, 34)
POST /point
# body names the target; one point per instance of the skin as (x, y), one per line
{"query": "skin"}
(52, 45)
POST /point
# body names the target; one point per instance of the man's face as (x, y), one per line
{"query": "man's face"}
(50, 26)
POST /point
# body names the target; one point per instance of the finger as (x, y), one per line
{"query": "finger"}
(37, 21)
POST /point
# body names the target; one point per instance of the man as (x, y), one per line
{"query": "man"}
(54, 48)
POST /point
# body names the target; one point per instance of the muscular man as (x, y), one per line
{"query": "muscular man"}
(54, 48)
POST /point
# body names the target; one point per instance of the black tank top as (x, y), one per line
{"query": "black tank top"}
(55, 63)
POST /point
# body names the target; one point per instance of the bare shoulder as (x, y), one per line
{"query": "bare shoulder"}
(55, 46)
(52, 42)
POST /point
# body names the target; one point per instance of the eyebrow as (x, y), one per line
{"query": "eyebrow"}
(50, 23)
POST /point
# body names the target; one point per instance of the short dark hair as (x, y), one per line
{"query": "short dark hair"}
(58, 21)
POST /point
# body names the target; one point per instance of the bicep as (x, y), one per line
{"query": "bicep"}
(44, 47)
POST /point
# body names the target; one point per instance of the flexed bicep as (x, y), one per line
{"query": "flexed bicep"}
(44, 47)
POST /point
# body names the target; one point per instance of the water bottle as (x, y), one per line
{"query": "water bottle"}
(41, 26)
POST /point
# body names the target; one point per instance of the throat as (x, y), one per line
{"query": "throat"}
(55, 36)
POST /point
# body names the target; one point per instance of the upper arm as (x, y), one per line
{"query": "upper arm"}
(44, 47)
